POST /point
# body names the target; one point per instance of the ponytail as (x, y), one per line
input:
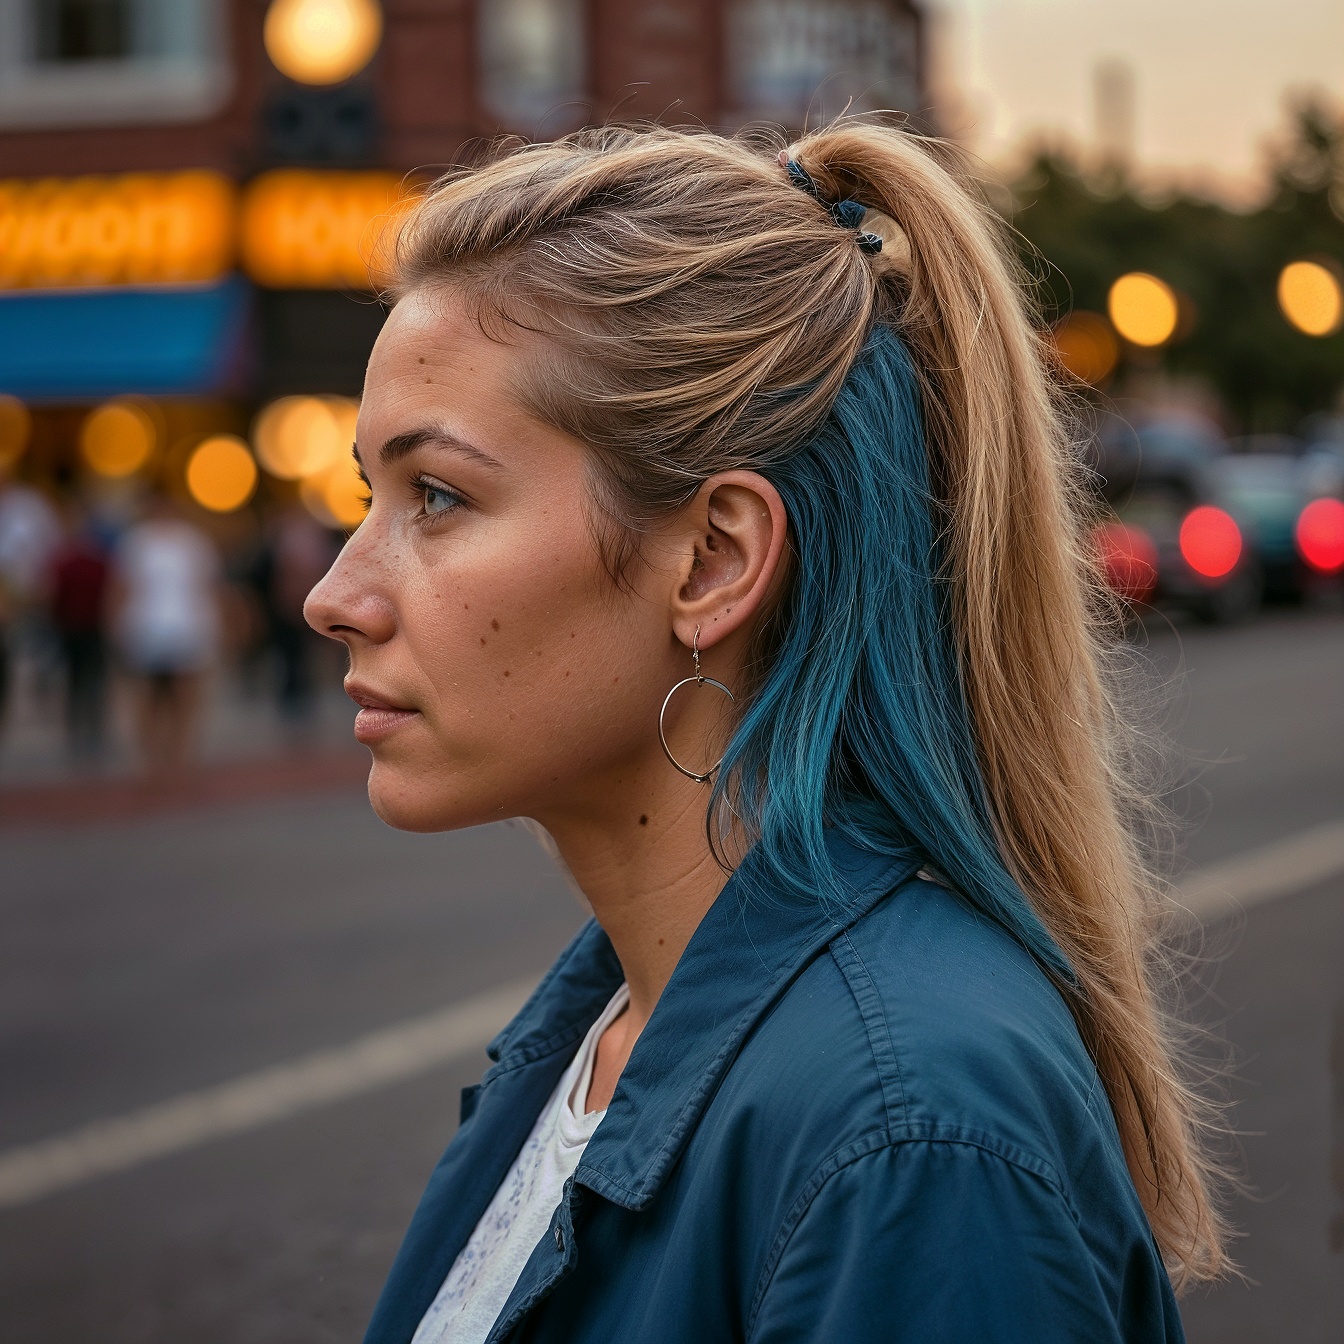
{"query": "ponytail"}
(1030, 631)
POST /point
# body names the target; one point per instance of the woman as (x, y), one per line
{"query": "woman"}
(679, 451)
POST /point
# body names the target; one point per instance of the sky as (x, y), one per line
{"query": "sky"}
(1209, 75)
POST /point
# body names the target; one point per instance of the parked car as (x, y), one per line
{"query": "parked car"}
(1191, 523)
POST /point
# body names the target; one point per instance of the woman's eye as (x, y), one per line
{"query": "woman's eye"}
(437, 499)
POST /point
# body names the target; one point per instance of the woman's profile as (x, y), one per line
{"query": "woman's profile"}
(723, 525)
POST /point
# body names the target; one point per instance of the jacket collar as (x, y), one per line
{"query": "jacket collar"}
(746, 951)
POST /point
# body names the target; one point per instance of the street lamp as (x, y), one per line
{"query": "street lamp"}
(322, 41)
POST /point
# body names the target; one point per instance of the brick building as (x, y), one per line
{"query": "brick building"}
(98, 96)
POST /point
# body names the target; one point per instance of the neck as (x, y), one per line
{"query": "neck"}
(646, 869)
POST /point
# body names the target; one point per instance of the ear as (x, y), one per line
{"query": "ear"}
(731, 537)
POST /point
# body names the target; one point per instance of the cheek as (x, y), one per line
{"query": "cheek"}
(536, 664)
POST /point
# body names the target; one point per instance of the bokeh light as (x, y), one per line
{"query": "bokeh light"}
(299, 437)
(1210, 541)
(337, 496)
(118, 439)
(322, 41)
(1310, 298)
(16, 424)
(1143, 309)
(221, 474)
(1320, 535)
(1086, 346)
(1128, 560)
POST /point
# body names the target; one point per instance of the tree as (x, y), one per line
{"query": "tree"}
(1079, 232)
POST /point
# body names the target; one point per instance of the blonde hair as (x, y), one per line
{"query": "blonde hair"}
(703, 314)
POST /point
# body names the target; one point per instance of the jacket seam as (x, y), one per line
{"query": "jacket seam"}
(869, 1003)
(943, 1135)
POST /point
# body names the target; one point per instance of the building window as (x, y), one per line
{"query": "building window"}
(533, 67)
(83, 30)
(805, 61)
(109, 62)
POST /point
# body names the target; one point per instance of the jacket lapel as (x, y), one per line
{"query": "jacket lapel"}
(531, 1053)
(746, 951)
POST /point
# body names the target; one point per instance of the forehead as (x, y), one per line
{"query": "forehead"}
(432, 368)
(431, 355)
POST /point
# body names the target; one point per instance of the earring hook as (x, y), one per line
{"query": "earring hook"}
(699, 679)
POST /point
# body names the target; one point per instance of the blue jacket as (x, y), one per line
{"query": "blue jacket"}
(871, 1124)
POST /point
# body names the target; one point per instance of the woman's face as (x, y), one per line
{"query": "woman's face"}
(500, 670)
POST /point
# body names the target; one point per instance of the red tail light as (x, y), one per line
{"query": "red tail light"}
(1320, 535)
(1128, 559)
(1210, 541)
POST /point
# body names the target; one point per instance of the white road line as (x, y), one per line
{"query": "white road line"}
(1264, 874)
(29, 1172)
(36, 1169)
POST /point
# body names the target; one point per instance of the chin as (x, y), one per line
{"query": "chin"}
(418, 801)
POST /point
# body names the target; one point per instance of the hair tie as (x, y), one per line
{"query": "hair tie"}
(846, 214)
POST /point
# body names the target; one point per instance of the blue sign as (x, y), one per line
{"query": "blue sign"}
(78, 345)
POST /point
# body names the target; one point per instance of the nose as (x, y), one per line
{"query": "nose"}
(347, 603)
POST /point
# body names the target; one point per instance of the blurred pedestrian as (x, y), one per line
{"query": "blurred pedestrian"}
(296, 552)
(29, 533)
(721, 522)
(166, 618)
(77, 605)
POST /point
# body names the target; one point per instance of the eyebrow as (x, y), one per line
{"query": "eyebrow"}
(400, 445)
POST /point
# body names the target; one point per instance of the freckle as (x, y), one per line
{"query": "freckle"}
(566, 674)
(572, 635)
(429, 380)
(506, 672)
(644, 821)
(660, 942)
(422, 359)
(494, 625)
(614, 680)
(482, 641)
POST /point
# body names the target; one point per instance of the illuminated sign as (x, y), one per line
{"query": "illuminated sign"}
(294, 228)
(303, 229)
(133, 229)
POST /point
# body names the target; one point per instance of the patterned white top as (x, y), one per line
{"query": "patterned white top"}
(519, 1215)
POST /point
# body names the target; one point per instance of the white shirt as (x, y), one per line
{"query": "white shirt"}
(483, 1275)
(170, 621)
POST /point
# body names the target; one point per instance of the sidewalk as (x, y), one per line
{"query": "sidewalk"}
(247, 750)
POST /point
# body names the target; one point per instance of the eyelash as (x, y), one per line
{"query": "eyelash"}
(424, 484)
(419, 485)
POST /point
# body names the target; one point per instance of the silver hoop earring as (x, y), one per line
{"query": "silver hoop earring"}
(699, 679)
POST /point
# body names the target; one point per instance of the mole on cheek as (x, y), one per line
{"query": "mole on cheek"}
(644, 821)
(482, 641)
(506, 671)
(494, 625)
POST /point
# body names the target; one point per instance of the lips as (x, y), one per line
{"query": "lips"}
(378, 718)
